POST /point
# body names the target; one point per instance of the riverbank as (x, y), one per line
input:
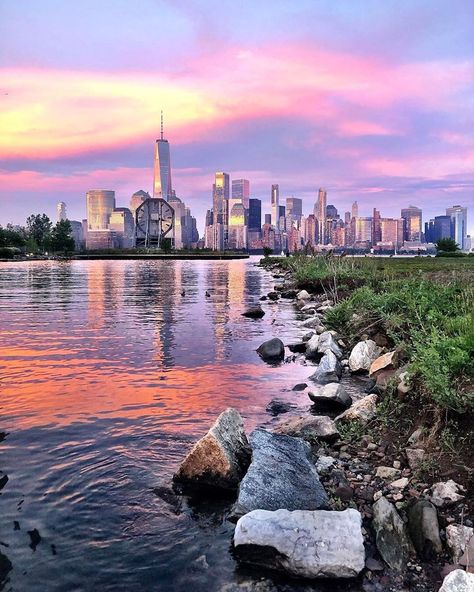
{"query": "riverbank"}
(397, 454)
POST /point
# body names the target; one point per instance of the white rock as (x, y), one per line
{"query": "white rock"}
(386, 472)
(362, 410)
(443, 494)
(332, 393)
(363, 354)
(458, 581)
(303, 295)
(311, 323)
(400, 483)
(310, 544)
(312, 347)
(457, 538)
(325, 463)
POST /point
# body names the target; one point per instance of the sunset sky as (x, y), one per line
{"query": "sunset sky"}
(371, 99)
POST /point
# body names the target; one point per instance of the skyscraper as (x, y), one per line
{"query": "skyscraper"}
(100, 204)
(355, 210)
(61, 211)
(412, 224)
(255, 215)
(320, 213)
(237, 225)
(275, 199)
(220, 198)
(162, 167)
(241, 190)
(444, 227)
(459, 216)
(294, 208)
(376, 227)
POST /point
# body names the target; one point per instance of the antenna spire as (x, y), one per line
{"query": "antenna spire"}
(162, 124)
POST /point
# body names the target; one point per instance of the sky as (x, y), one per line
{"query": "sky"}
(372, 100)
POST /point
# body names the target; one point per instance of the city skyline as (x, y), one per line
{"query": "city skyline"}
(373, 105)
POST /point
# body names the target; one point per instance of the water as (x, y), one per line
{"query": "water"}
(108, 374)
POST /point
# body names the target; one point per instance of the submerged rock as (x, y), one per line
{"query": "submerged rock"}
(391, 535)
(362, 410)
(362, 355)
(255, 312)
(309, 544)
(272, 350)
(220, 458)
(276, 407)
(424, 529)
(281, 475)
(309, 427)
(333, 394)
(329, 369)
(458, 581)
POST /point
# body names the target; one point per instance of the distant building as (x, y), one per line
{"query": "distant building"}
(268, 219)
(363, 230)
(137, 199)
(275, 202)
(294, 208)
(459, 216)
(237, 226)
(255, 215)
(331, 212)
(391, 232)
(320, 214)
(100, 204)
(310, 230)
(162, 186)
(443, 227)
(241, 190)
(77, 233)
(268, 235)
(61, 211)
(123, 225)
(412, 223)
(101, 239)
(220, 198)
(355, 210)
(376, 227)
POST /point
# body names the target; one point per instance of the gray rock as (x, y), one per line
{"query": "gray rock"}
(362, 410)
(311, 323)
(272, 350)
(255, 312)
(458, 581)
(324, 464)
(303, 295)
(444, 494)
(457, 538)
(310, 428)
(391, 535)
(332, 393)
(362, 355)
(424, 529)
(415, 458)
(220, 458)
(301, 386)
(312, 351)
(307, 336)
(298, 347)
(281, 475)
(276, 407)
(416, 437)
(329, 369)
(327, 341)
(318, 544)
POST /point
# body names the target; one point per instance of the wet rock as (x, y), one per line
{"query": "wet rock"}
(281, 475)
(255, 312)
(35, 538)
(220, 458)
(303, 295)
(388, 360)
(457, 538)
(415, 458)
(362, 355)
(297, 348)
(312, 323)
(331, 394)
(3, 481)
(276, 407)
(373, 565)
(327, 342)
(273, 296)
(310, 307)
(16, 525)
(329, 369)
(263, 298)
(307, 336)
(289, 294)
(309, 427)
(362, 410)
(391, 535)
(318, 544)
(458, 581)
(424, 529)
(5, 567)
(300, 386)
(272, 350)
(444, 494)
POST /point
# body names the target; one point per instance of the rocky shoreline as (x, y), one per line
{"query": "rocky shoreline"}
(323, 495)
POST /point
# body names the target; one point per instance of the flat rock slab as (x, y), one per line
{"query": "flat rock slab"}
(309, 427)
(281, 475)
(220, 458)
(309, 544)
(332, 393)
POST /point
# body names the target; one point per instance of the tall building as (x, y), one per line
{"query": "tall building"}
(220, 198)
(268, 219)
(294, 208)
(391, 232)
(320, 213)
(255, 215)
(355, 210)
(275, 202)
(459, 216)
(331, 212)
(61, 211)
(376, 227)
(311, 230)
(100, 204)
(162, 167)
(412, 224)
(443, 227)
(77, 233)
(241, 190)
(363, 230)
(237, 225)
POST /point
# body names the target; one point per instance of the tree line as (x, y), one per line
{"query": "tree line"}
(39, 235)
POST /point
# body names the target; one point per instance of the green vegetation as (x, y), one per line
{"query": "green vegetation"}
(447, 245)
(38, 237)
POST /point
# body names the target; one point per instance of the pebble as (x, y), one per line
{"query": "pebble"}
(396, 464)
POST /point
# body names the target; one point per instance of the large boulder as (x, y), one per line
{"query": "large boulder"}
(391, 536)
(220, 458)
(458, 581)
(327, 342)
(362, 355)
(424, 529)
(255, 312)
(362, 410)
(309, 427)
(329, 369)
(332, 393)
(318, 544)
(272, 350)
(281, 475)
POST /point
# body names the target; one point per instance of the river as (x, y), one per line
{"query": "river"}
(109, 372)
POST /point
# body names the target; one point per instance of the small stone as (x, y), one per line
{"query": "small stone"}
(300, 386)
(255, 312)
(332, 393)
(424, 529)
(396, 464)
(386, 472)
(272, 350)
(391, 535)
(400, 483)
(303, 295)
(309, 427)
(362, 355)
(388, 360)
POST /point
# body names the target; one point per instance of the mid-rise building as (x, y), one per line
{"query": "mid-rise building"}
(77, 233)
(100, 203)
(123, 225)
(459, 216)
(237, 226)
(391, 233)
(241, 190)
(137, 199)
(363, 231)
(443, 227)
(294, 208)
(412, 224)
(376, 227)
(61, 211)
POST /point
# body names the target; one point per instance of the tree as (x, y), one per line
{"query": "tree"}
(267, 252)
(447, 245)
(39, 229)
(12, 236)
(61, 239)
